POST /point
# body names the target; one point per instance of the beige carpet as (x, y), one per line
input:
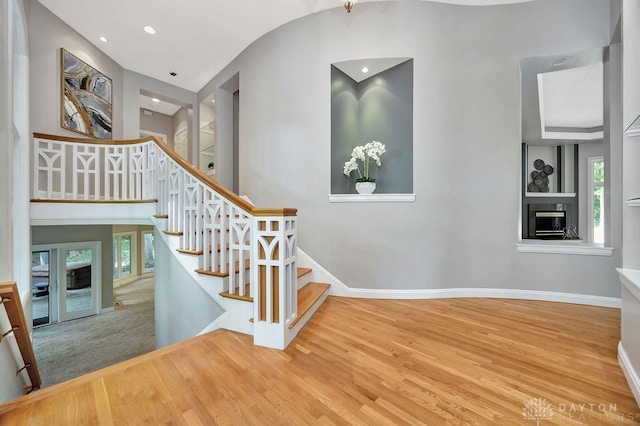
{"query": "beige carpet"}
(73, 348)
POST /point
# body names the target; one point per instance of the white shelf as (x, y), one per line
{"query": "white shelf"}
(630, 278)
(563, 247)
(550, 194)
(372, 198)
(633, 202)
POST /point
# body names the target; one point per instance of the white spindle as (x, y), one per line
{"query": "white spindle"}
(85, 171)
(137, 155)
(162, 171)
(115, 173)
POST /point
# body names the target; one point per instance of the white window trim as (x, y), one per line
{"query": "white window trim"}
(144, 250)
(591, 185)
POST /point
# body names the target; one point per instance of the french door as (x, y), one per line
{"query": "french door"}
(72, 283)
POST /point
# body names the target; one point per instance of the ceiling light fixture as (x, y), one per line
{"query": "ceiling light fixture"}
(349, 5)
(365, 70)
(155, 99)
(149, 29)
(104, 39)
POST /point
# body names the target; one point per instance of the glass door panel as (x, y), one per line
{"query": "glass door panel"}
(40, 287)
(78, 296)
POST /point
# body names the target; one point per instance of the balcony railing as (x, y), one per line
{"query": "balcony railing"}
(223, 229)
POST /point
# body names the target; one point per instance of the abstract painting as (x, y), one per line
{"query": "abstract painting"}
(86, 98)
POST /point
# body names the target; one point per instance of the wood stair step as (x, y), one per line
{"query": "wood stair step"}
(307, 296)
(178, 233)
(237, 296)
(161, 216)
(195, 252)
(222, 274)
(303, 271)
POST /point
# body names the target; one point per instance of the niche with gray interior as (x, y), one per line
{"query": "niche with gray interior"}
(376, 105)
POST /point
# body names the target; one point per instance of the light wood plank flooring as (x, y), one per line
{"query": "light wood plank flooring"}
(368, 362)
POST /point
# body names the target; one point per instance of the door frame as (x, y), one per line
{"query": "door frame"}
(55, 295)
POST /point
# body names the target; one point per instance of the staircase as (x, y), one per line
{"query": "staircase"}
(242, 256)
(310, 295)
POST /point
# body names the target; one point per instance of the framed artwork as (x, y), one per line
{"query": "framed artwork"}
(86, 98)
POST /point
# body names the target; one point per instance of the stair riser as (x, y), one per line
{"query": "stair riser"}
(304, 280)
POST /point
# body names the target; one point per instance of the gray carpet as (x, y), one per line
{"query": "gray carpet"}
(73, 348)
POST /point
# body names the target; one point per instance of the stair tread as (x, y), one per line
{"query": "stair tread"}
(222, 274)
(237, 296)
(303, 271)
(307, 296)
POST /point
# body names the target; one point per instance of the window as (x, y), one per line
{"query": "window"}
(149, 252)
(123, 255)
(595, 182)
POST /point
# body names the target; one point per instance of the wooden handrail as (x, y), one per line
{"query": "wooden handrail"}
(213, 184)
(10, 298)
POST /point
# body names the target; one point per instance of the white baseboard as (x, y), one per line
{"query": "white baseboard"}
(629, 372)
(490, 293)
(338, 288)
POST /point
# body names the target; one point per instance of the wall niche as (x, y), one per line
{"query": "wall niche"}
(376, 104)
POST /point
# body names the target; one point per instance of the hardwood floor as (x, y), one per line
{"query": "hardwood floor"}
(369, 362)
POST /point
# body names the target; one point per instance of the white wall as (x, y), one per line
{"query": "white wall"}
(14, 150)
(182, 308)
(630, 339)
(463, 227)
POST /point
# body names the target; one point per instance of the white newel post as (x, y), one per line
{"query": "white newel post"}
(274, 278)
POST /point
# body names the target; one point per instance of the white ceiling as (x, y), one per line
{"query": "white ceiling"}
(355, 69)
(194, 38)
(160, 106)
(582, 100)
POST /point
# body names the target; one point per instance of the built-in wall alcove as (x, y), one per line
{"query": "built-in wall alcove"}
(564, 147)
(372, 100)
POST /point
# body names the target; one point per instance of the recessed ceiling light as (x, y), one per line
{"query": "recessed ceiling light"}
(213, 100)
(365, 69)
(155, 99)
(150, 29)
(103, 39)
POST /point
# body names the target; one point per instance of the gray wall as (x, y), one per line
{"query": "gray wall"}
(182, 308)
(47, 34)
(344, 129)
(379, 108)
(159, 123)
(74, 234)
(183, 119)
(462, 229)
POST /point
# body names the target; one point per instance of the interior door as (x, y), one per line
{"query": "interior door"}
(78, 279)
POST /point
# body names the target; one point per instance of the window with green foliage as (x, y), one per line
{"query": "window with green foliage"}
(149, 251)
(123, 255)
(596, 200)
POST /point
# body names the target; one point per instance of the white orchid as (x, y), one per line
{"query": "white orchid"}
(372, 150)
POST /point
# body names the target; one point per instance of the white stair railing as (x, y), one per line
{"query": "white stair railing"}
(229, 234)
